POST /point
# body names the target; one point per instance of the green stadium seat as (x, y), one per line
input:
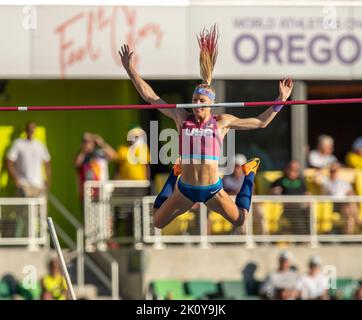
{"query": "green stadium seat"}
(233, 290)
(345, 289)
(162, 288)
(5, 291)
(201, 288)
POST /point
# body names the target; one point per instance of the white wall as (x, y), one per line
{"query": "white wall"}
(227, 262)
(259, 42)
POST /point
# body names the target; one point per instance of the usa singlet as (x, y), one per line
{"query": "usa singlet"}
(200, 140)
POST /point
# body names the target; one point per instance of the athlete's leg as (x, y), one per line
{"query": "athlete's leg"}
(236, 212)
(170, 202)
(169, 186)
(173, 206)
(243, 198)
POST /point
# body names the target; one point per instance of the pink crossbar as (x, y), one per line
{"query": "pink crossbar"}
(183, 105)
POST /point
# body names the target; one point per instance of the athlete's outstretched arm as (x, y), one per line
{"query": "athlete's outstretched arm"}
(143, 88)
(261, 121)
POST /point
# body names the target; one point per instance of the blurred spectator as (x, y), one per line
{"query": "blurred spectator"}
(133, 159)
(323, 156)
(314, 282)
(233, 182)
(292, 183)
(282, 284)
(25, 161)
(5, 291)
(358, 293)
(12, 283)
(354, 158)
(335, 186)
(92, 161)
(53, 284)
(252, 284)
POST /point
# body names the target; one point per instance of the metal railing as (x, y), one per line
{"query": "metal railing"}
(78, 246)
(112, 282)
(112, 212)
(307, 219)
(23, 222)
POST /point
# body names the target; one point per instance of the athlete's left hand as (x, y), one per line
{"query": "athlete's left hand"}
(285, 88)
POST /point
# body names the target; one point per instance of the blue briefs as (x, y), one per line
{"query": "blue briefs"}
(199, 193)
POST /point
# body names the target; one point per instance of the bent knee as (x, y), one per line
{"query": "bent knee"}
(157, 222)
(241, 218)
(239, 222)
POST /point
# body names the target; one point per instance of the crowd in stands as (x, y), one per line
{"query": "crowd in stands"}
(27, 156)
(326, 176)
(92, 161)
(51, 286)
(287, 283)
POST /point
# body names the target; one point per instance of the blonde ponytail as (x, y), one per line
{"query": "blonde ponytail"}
(208, 52)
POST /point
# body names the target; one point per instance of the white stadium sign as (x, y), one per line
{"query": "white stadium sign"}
(255, 42)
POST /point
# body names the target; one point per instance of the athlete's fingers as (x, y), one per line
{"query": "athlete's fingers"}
(122, 51)
(281, 84)
(129, 52)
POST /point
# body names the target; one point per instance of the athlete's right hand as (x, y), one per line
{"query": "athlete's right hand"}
(126, 57)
